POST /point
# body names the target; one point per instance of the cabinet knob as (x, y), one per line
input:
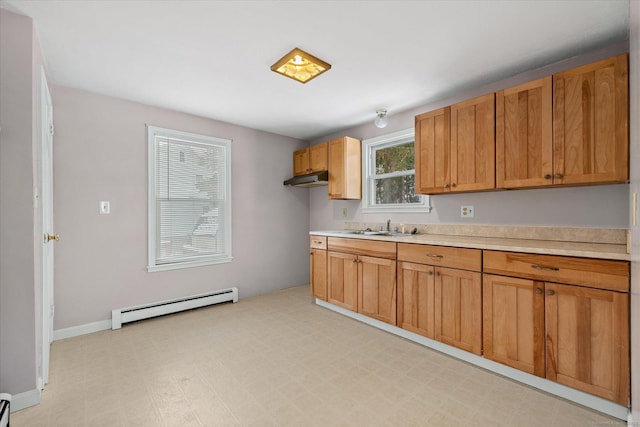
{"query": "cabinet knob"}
(559, 176)
(430, 273)
(437, 274)
(551, 292)
(453, 185)
(547, 176)
(446, 186)
(538, 291)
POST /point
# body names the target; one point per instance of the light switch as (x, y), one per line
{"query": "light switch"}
(105, 208)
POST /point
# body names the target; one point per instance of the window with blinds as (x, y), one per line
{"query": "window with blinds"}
(389, 175)
(189, 199)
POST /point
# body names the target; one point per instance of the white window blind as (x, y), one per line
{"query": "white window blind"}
(189, 199)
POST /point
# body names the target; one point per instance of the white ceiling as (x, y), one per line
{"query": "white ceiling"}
(213, 58)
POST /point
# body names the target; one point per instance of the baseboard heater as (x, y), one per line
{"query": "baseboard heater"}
(131, 314)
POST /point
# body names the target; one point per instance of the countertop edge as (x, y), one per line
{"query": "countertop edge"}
(575, 249)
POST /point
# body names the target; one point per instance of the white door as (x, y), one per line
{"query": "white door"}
(49, 237)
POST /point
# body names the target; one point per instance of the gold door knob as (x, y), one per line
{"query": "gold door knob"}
(48, 237)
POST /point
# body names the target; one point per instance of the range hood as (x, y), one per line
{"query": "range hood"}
(310, 180)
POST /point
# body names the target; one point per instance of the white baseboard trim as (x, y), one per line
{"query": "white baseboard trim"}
(87, 328)
(585, 399)
(24, 400)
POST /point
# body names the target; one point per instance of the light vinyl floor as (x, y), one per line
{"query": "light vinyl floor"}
(277, 360)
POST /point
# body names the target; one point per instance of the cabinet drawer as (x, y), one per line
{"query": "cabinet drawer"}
(464, 259)
(318, 242)
(375, 248)
(595, 273)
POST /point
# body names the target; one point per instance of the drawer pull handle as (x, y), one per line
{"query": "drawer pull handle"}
(551, 292)
(538, 291)
(434, 256)
(317, 242)
(540, 267)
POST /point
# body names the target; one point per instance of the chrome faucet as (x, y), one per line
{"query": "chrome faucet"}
(389, 225)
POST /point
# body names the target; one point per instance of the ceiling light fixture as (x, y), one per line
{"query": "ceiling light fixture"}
(381, 119)
(300, 66)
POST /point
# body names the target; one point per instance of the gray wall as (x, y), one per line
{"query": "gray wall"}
(100, 153)
(20, 59)
(595, 206)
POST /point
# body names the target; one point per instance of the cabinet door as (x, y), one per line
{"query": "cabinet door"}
(416, 298)
(318, 274)
(301, 162)
(377, 288)
(432, 147)
(513, 322)
(473, 144)
(345, 169)
(591, 123)
(458, 313)
(524, 132)
(318, 160)
(587, 344)
(342, 280)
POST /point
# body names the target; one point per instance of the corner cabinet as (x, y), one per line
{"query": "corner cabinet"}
(345, 168)
(455, 147)
(561, 318)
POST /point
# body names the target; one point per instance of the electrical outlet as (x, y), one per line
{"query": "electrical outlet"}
(344, 212)
(466, 211)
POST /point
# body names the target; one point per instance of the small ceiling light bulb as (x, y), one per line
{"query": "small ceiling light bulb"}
(381, 119)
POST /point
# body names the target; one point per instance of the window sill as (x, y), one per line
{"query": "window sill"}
(187, 264)
(396, 209)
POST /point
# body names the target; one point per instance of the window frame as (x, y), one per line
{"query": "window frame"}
(369, 147)
(192, 139)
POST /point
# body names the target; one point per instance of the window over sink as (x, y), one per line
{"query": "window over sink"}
(388, 174)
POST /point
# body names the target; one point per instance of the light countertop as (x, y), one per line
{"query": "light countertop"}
(546, 247)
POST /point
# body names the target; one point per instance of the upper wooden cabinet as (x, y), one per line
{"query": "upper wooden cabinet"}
(455, 147)
(473, 161)
(311, 159)
(432, 151)
(591, 123)
(524, 135)
(571, 128)
(345, 168)
(301, 162)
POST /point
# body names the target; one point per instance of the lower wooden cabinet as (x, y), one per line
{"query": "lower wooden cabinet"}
(362, 277)
(576, 335)
(318, 266)
(318, 270)
(439, 302)
(515, 313)
(513, 322)
(377, 288)
(416, 298)
(343, 280)
(587, 345)
(458, 312)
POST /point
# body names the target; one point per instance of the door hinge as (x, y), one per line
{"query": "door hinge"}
(53, 310)
(51, 129)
